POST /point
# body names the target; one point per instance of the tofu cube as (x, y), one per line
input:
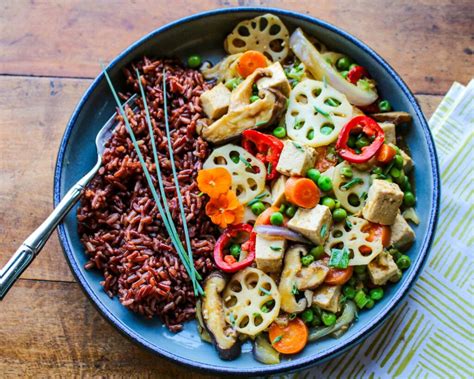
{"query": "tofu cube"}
(402, 235)
(296, 159)
(215, 102)
(408, 163)
(390, 133)
(277, 80)
(278, 191)
(383, 201)
(382, 269)
(269, 253)
(327, 298)
(312, 223)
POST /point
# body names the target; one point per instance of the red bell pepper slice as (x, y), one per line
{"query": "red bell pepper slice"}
(356, 73)
(231, 265)
(360, 124)
(265, 147)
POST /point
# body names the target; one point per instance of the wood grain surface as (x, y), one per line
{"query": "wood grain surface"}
(49, 54)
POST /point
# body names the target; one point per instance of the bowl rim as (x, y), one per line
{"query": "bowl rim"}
(300, 362)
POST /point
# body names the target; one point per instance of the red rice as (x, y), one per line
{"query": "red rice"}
(120, 226)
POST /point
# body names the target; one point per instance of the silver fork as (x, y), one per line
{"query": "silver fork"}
(36, 240)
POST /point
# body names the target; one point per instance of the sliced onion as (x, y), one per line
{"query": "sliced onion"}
(348, 315)
(279, 231)
(264, 352)
(319, 68)
(410, 215)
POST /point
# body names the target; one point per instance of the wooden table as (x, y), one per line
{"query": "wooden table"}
(49, 55)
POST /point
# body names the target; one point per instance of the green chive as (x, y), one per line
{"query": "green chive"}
(324, 113)
(324, 229)
(265, 291)
(246, 163)
(352, 183)
(275, 248)
(257, 198)
(298, 146)
(260, 123)
(175, 177)
(277, 339)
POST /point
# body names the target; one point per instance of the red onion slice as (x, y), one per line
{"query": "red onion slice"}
(279, 231)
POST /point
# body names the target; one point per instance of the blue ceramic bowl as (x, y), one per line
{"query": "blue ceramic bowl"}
(204, 34)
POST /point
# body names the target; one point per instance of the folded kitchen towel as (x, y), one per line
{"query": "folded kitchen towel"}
(431, 334)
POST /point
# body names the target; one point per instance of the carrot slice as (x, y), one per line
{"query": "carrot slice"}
(338, 277)
(249, 62)
(385, 154)
(289, 339)
(302, 192)
(264, 217)
(376, 231)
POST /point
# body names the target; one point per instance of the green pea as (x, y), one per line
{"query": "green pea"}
(194, 61)
(362, 142)
(401, 179)
(398, 161)
(370, 304)
(339, 214)
(349, 292)
(395, 172)
(311, 134)
(290, 211)
(395, 254)
(328, 318)
(360, 269)
(307, 316)
(235, 250)
(385, 106)
(235, 158)
(409, 199)
(343, 63)
(352, 66)
(328, 202)
(233, 83)
(313, 174)
(406, 184)
(317, 252)
(377, 170)
(376, 293)
(347, 172)
(276, 219)
(403, 262)
(282, 208)
(325, 183)
(337, 204)
(257, 208)
(389, 179)
(344, 74)
(307, 260)
(254, 98)
(279, 132)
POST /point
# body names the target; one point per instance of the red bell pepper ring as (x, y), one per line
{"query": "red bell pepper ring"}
(265, 147)
(367, 126)
(228, 265)
(356, 73)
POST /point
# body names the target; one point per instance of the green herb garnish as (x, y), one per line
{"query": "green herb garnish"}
(265, 291)
(324, 230)
(325, 81)
(275, 248)
(294, 289)
(257, 198)
(339, 258)
(277, 339)
(324, 113)
(270, 166)
(298, 146)
(292, 316)
(232, 318)
(352, 183)
(348, 224)
(246, 163)
(260, 123)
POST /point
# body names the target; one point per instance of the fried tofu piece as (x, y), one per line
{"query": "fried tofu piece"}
(215, 102)
(269, 253)
(313, 223)
(390, 132)
(382, 269)
(276, 79)
(327, 298)
(383, 201)
(296, 159)
(402, 235)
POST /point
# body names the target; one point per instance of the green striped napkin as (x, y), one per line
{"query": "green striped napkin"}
(431, 333)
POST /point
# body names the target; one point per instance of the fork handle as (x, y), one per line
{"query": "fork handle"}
(36, 240)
